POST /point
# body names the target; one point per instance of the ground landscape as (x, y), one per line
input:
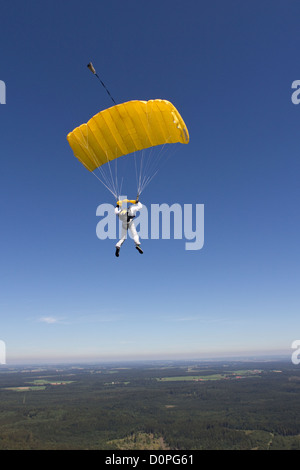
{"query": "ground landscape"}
(156, 406)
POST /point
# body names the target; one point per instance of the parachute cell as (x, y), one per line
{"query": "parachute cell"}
(127, 128)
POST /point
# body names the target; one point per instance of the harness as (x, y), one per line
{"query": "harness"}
(129, 217)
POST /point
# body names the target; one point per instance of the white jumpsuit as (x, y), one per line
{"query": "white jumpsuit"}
(127, 216)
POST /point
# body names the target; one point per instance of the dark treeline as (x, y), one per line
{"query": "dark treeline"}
(105, 404)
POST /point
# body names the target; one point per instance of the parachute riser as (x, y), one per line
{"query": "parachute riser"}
(91, 68)
(120, 202)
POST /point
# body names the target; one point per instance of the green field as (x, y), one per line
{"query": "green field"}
(232, 375)
(187, 378)
(37, 385)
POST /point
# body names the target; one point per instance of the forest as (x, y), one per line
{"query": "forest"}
(156, 405)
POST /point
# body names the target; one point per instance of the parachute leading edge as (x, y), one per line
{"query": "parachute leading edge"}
(126, 128)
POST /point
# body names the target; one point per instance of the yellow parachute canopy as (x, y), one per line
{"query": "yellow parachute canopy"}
(126, 128)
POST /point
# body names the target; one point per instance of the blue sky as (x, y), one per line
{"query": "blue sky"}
(228, 67)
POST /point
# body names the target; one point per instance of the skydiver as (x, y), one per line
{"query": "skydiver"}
(126, 216)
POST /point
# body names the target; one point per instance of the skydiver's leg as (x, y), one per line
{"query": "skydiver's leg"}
(122, 239)
(136, 238)
(120, 242)
(134, 233)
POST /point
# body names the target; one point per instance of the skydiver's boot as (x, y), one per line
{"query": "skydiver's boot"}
(117, 251)
(139, 249)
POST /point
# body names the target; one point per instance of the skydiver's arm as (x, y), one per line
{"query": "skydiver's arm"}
(118, 207)
(135, 208)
